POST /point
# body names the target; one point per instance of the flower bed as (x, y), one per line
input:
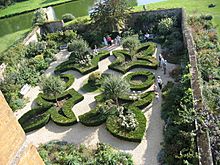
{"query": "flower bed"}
(135, 135)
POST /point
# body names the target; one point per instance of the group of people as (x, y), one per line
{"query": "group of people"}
(163, 63)
(108, 41)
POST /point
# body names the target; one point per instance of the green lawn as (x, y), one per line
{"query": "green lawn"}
(8, 40)
(191, 6)
(28, 5)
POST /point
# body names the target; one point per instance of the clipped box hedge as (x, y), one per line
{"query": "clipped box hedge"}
(147, 49)
(68, 78)
(34, 119)
(145, 101)
(144, 85)
(93, 118)
(123, 66)
(69, 65)
(116, 130)
(37, 118)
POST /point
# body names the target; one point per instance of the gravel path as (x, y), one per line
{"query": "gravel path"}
(144, 153)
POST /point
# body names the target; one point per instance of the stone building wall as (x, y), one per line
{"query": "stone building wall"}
(14, 148)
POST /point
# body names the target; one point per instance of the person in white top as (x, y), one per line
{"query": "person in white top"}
(159, 82)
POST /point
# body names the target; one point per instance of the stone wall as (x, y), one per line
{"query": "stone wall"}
(14, 148)
(32, 36)
(203, 142)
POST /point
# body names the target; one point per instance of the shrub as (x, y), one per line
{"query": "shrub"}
(69, 65)
(140, 80)
(35, 48)
(67, 17)
(94, 78)
(165, 26)
(136, 135)
(68, 78)
(68, 153)
(40, 17)
(130, 43)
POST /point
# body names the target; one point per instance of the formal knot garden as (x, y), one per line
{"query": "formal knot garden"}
(119, 102)
(96, 81)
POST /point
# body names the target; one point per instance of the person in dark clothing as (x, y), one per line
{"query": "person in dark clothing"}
(109, 40)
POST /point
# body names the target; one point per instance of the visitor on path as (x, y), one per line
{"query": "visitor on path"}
(95, 50)
(160, 58)
(155, 88)
(118, 40)
(105, 41)
(164, 66)
(159, 82)
(157, 96)
(109, 40)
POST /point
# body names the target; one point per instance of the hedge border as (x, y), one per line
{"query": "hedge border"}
(142, 61)
(68, 65)
(48, 111)
(97, 120)
(144, 85)
(134, 136)
(70, 79)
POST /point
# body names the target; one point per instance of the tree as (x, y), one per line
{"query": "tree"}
(110, 15)
(130, 43)
(40, 17)
(80, 51)
(165, 26)
(67, 17)
(115, 86)
(52, 86)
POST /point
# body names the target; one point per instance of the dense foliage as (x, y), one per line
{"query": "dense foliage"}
(110, 15)
(179, 137)
(207, 46)
(40, 17)
(69, 154)
(114, 86)
(67, 17)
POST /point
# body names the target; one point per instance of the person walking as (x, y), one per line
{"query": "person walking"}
(160, 58)
(109, 40)
(159, 82)
(164, 66)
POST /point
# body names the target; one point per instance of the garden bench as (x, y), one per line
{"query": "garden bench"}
(25, 89)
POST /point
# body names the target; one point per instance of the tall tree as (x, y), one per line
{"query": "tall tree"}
(115, 86)
(52, 86)
(110, 15)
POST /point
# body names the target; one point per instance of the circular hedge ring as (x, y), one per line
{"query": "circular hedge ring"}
(140, 80)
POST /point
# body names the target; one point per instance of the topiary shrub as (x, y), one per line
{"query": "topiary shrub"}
(67, 17)
(140, 80)
(63, 115)
(135, 135)
(94, 78)
(68, 78)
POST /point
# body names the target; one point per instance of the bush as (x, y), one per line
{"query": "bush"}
(165, 26)
(35, 48)
(69, 65)
(134, 79)
(130, 43)
(68, 78)
(94, 78)
(123, 66)
(136, 135)
(94, 117)
(67, 17)
(64, 116)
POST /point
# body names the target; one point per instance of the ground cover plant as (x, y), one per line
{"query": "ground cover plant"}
(25, 64)
(67, 153)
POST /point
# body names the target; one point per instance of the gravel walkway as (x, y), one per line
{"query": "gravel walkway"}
(144, 153)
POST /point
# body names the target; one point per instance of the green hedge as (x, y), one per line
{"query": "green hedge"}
(147, 49)
(115, 129)
(144, 85)
(145, 101)
(69, 65)
(93, 118)
(37, 118)
(34, 119)
(122, 66)
(68, 78)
